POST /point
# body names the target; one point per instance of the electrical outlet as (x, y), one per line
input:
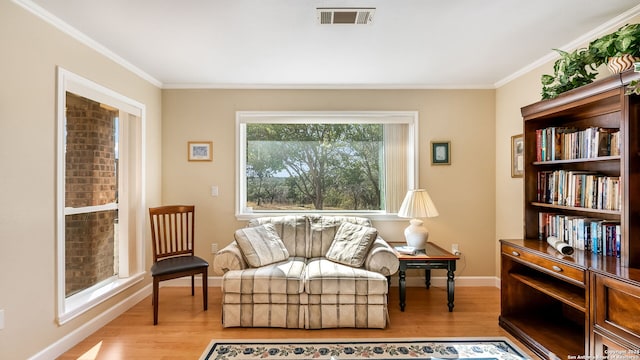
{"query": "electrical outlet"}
(214, 248)
(1, 319)
(455, 249)
(214, 190)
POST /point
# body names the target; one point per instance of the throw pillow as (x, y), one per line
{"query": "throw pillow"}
(351, 244)
(261, 245)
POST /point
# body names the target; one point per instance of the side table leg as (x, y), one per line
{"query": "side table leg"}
(450, 287)
(402, 286)
(427, 278)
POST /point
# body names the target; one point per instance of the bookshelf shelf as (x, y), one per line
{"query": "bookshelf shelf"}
(614, 213)
(544, 293)
(574, 161)
(571, 295)
(566, 341)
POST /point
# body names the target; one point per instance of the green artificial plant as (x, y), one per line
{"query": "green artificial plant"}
(625, 40)
(572, 70)
(633, 88)
(579, 67)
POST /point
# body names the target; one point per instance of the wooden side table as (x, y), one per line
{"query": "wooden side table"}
(435, 258)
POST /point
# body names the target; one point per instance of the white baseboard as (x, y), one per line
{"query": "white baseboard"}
(67, 342)
(72, 339)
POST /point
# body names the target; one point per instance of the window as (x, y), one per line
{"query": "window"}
(349, 162)
(99, 196)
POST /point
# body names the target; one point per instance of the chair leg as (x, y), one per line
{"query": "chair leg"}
(205, 289)
(155, 301)
(193, 285)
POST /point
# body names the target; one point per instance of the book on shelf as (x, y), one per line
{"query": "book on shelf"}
(406, 250)
(567, 143)
(579, 189)
(597, 236)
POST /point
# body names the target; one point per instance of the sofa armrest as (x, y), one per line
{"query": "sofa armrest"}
(382, 258)
(229, 258)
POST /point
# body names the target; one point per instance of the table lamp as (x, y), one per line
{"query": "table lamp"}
(417, 204)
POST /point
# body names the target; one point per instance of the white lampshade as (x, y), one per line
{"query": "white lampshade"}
(417, 204)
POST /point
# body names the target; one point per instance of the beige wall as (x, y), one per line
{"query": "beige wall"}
(31, 50)
(464, 192)
(510, 191)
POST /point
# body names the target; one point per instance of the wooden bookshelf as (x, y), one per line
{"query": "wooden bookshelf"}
(546, 298)
(600, 104)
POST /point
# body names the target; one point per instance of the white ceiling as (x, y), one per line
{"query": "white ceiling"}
(279, 43)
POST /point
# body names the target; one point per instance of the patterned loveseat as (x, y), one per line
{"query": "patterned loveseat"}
(307, 272)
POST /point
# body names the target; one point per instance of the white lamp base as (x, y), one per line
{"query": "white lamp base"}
(416, 234)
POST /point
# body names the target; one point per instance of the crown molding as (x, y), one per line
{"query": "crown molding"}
(84, 39)
(603, 29)
(233, 86)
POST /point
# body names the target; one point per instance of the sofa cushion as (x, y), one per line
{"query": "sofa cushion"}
(292, 229)
(229, 258)
(327, 277)
(323, 230)
(351, 244)
(261, 245)
(382, 258)
(285, 277)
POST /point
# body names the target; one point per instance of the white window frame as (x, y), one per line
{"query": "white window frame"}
(410, 118)
(130, 236)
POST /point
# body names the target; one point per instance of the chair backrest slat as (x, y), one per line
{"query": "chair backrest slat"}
(172, 230)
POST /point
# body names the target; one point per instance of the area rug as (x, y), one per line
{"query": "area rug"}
(499, 348)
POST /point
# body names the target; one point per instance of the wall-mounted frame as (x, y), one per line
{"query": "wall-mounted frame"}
(440, 152)
(517, 156)
(200, 150)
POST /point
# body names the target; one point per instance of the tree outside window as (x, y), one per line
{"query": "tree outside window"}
(328, 164)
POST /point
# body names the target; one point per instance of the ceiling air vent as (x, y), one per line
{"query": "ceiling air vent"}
(345, 15)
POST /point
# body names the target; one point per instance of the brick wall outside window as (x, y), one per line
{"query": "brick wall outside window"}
(91, 179)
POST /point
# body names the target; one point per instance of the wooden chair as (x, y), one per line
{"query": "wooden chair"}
(172, 236)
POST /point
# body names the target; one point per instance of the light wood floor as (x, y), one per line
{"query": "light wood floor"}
(184, 329)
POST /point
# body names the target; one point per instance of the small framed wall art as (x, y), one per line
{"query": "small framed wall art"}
(440, 152)
(200, 150)
(517, 156)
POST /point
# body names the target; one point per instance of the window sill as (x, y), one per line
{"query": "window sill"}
(376, 216)
(81, 302)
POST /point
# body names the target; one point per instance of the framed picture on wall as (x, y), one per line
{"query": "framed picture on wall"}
(517, 156)
(440, 152)
(200, 150)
